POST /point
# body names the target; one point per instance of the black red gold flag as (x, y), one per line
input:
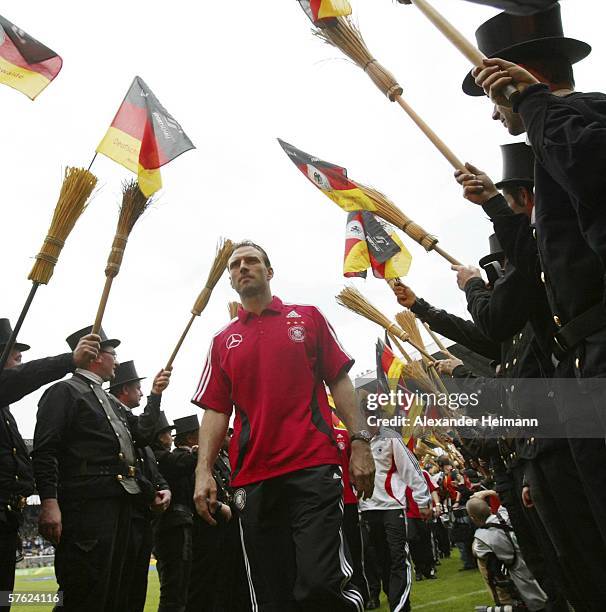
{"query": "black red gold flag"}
(143, 137)
(317, 10)
(330, 179)
(25, 63)
(369, 243)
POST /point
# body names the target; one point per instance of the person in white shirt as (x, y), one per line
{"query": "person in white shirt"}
(384, 513)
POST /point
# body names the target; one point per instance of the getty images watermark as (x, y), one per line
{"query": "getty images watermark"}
(451, 401)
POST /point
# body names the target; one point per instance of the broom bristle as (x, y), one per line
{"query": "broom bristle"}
(408, 322)
(387, 210)
(353, 300)
(224, 250)
(341, 33)
(77, 187)
(133, 205)
(233, 309)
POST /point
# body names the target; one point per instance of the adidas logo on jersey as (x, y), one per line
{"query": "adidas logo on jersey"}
(293, 314)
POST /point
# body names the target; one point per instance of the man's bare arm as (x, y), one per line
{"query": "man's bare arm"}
(211, 436)
(361, 462)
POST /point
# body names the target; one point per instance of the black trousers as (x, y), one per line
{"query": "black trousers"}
(566, 513)
(143, 543)
(353, 539)
(293, 545)
(441, 537)
(9, 538)
(387, 533)
(218, 581)
(95, 556)
(173, 552)
(372, 565)
(536, 546)
(419, 540)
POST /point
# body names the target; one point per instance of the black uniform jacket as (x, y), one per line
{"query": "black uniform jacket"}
(457, 329)
(76, 451)
(178, 467)
(515, 311)
(16, 474)
(568, 136)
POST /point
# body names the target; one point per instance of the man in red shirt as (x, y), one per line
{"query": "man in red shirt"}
(271, 363)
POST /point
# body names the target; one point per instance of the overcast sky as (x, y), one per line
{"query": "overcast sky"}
(237, 75)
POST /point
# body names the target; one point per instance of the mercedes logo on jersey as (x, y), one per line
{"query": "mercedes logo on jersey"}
(233, 340)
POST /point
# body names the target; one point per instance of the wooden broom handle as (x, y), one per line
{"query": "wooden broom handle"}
(455, 162)
(472, 53)
(102, 304)
(179, 343)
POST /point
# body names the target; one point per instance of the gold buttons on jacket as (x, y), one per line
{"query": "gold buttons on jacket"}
(577, 363)
(14, 451)
(121, 455)
(515, 360)
(119, 477)
(557, 321)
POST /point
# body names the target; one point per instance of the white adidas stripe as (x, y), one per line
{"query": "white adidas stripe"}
(251, 588)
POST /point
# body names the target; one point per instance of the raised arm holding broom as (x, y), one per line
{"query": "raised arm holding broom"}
(78, 185)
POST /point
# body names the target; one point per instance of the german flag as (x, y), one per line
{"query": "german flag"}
(25, 64)
(369, 243)
(389, 371)
(318, 10)
(330, 179)
(143, 137)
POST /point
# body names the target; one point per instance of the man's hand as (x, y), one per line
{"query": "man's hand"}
(497, 74)
(465, 274)
(426, 513)
(527, 497)
(477, 185)
(447, 366)
(161, 501)
(405, 295)
(362, 469)
(49, 521)
(87, 350)
(161, 381)
(205, 496)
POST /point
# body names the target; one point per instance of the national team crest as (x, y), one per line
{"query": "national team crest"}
(297, 333)
(240, 499)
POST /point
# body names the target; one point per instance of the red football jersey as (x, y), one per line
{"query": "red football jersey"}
(412, 508)
(272, 369)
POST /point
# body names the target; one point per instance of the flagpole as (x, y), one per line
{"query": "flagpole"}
(92, 161)
(13, 337)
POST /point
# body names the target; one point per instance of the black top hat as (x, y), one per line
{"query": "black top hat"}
(163, 425)
(496, 253)
(125, 373)
(5, 333)
(521, 37)
(187, 424)
(105, 341)
(518, 165)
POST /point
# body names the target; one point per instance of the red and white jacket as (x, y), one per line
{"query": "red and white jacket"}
(396, 468)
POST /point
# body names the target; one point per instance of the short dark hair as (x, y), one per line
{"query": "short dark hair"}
(556, 69)
(250, 243)
(515, 189)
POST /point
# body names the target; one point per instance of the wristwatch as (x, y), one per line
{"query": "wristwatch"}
(363, 435)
